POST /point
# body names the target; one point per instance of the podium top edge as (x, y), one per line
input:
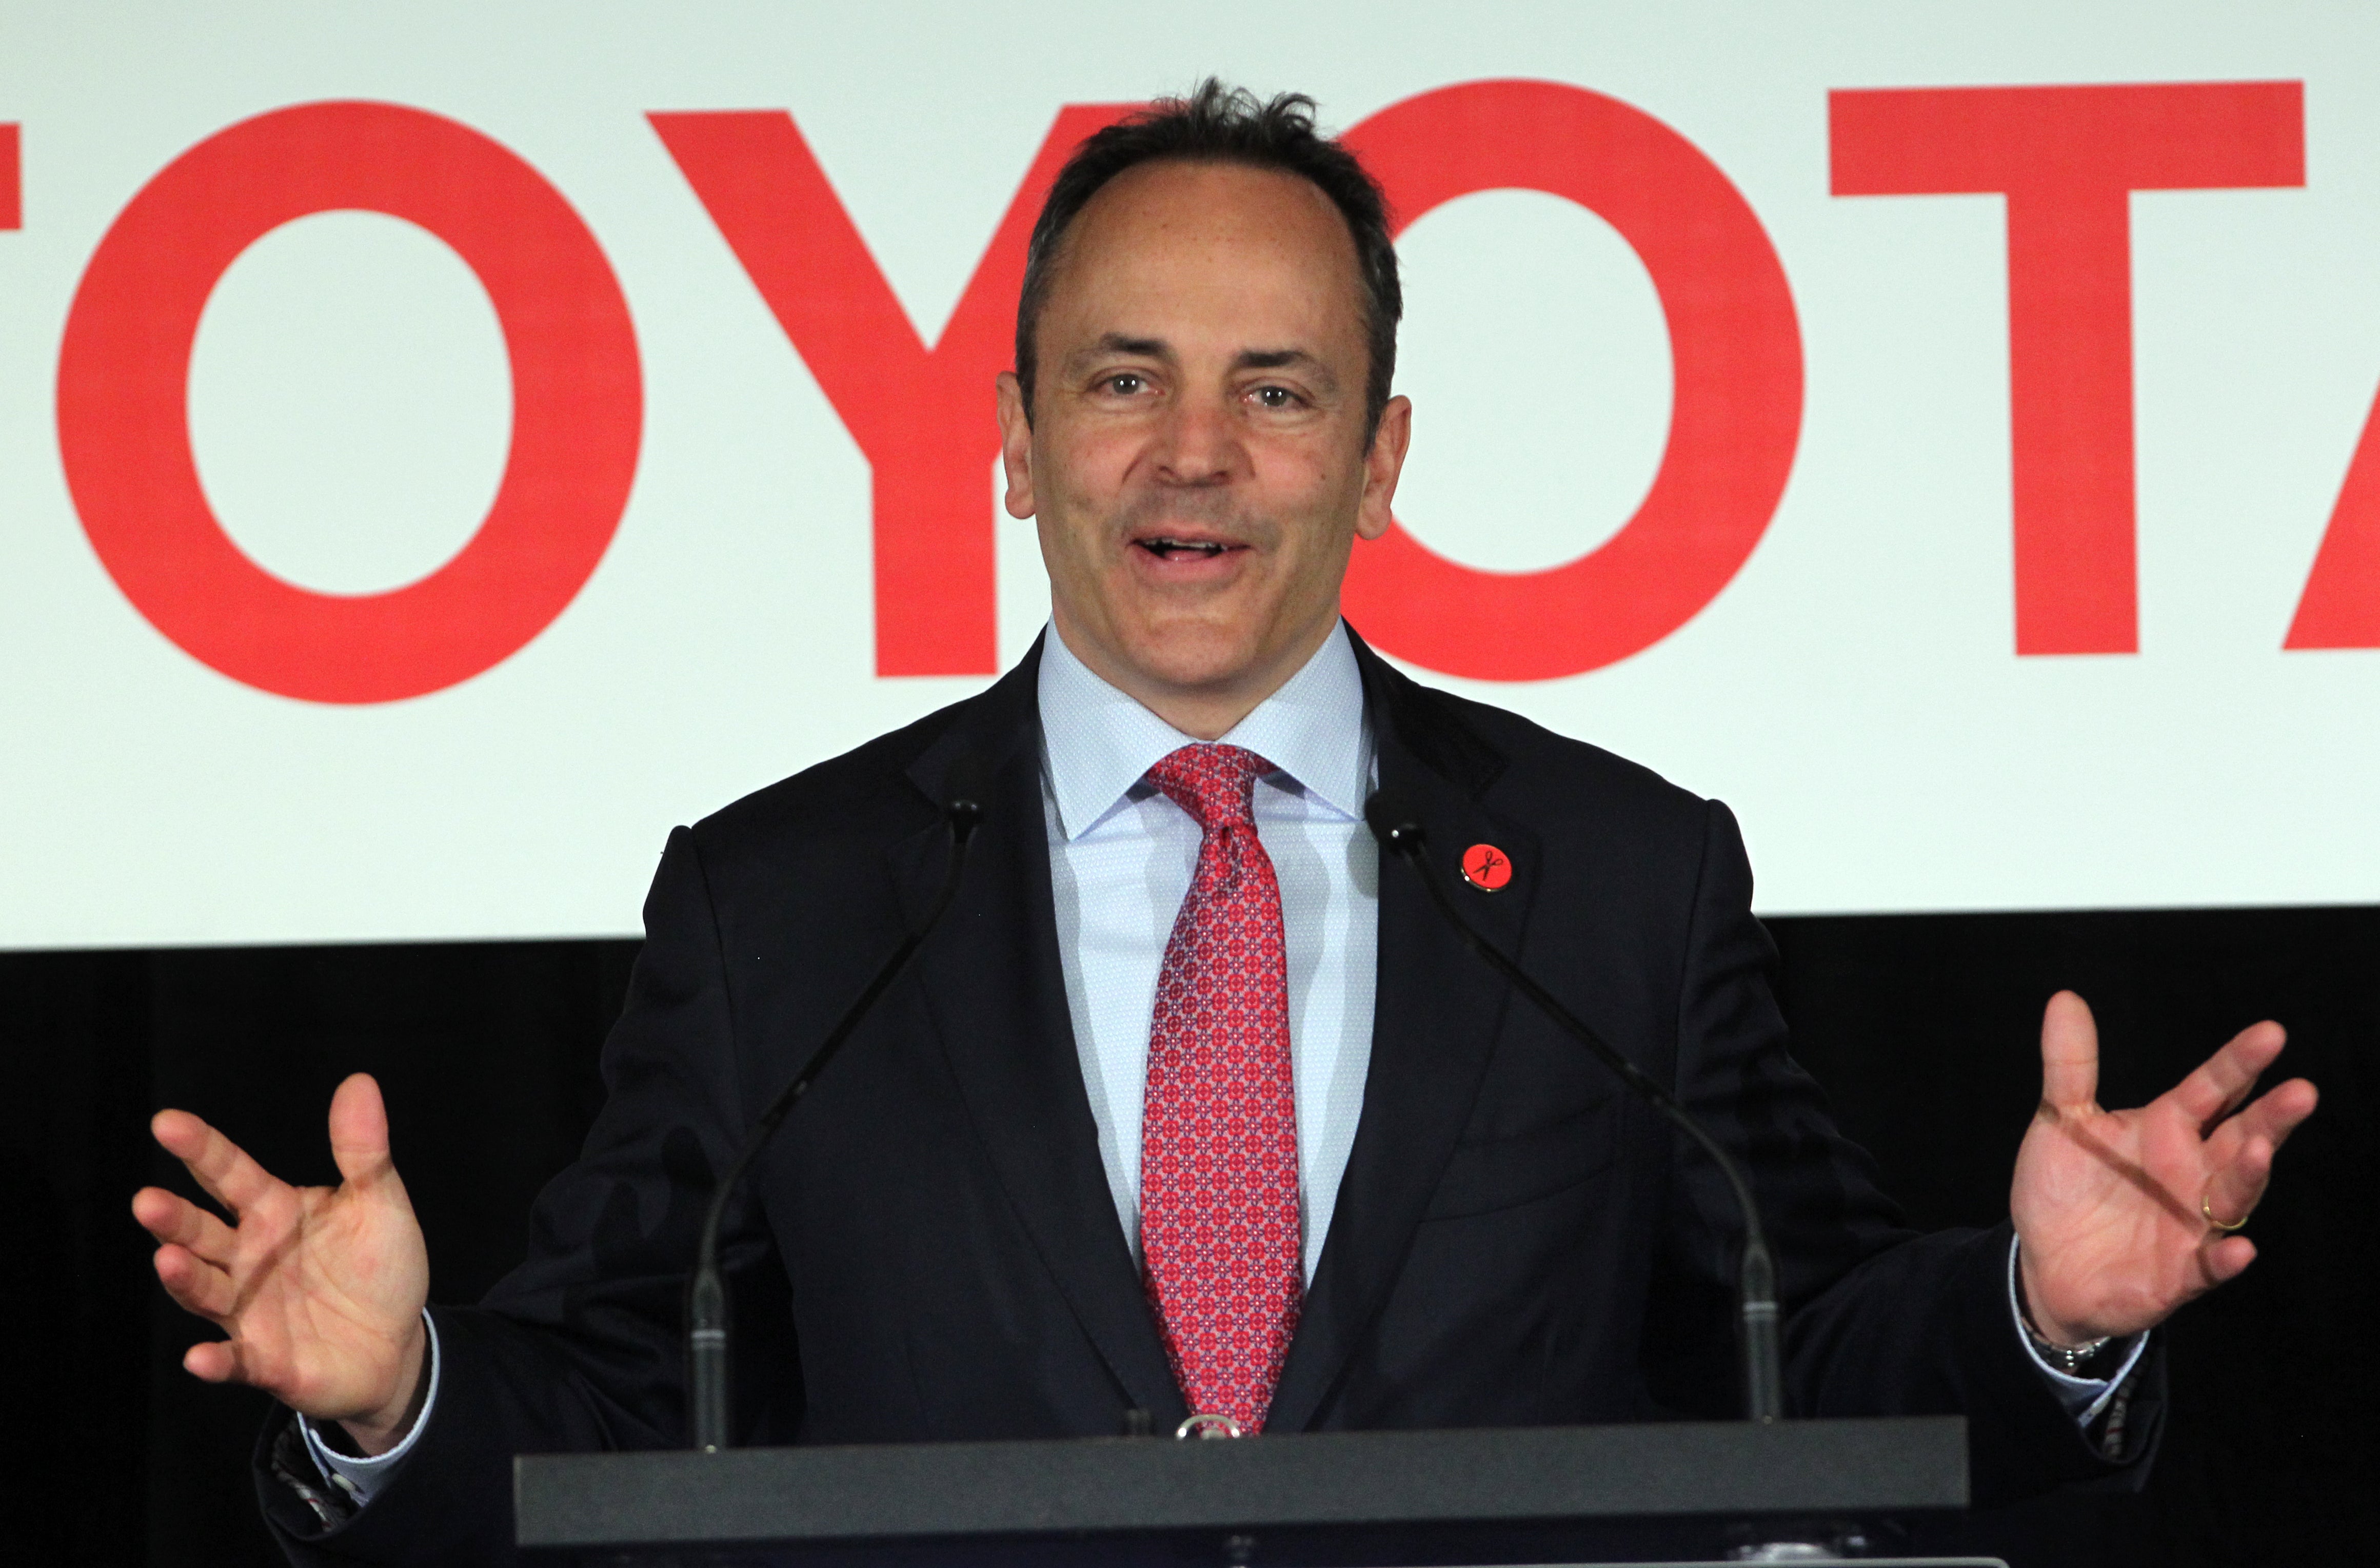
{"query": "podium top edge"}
(888, 1493)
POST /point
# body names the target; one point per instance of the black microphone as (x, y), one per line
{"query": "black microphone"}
(705, 1339)
(1399, 831)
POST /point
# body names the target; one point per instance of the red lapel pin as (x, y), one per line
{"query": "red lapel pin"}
(1486, 867)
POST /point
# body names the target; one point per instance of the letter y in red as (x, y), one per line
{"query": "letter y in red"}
(922, 415)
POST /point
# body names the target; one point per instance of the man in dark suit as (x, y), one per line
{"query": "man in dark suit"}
(1191, 1107)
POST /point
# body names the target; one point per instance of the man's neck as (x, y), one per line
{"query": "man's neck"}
(1208, 711)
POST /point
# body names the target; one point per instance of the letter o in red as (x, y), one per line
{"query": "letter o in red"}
(1736, 411)
(122, 402)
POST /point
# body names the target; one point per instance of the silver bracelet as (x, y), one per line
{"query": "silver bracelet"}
(2068, 1359)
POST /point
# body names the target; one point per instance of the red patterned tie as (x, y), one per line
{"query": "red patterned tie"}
(1219, 1131)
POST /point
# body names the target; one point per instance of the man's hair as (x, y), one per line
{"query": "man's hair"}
(1220, 125)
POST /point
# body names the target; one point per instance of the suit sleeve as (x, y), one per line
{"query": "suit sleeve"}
(1878, 1320)
(579, 1348)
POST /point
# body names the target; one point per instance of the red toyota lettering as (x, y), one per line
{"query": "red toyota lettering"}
(2340, 607)
(123, 431)
(2067, 159)
(921, 415)
(1736, 410)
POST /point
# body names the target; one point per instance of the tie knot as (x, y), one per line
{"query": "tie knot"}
(1216, 784)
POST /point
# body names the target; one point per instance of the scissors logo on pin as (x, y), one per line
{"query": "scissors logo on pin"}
(1486, 867)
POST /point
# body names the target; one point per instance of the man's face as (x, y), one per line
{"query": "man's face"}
(1197, 457)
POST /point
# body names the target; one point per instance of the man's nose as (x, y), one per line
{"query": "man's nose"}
(1198, 444)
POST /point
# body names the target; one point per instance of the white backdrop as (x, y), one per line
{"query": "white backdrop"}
(1855, 690)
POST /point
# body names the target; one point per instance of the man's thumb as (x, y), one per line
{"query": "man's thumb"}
(2069, 1053)
(359, 1129)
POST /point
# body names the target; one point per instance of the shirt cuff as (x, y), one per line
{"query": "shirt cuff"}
(358, 1476)
(2082, 1397)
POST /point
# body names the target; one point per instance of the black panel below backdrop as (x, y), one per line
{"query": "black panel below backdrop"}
(1925, 1031)
(1923, 1027)
(487, 1055)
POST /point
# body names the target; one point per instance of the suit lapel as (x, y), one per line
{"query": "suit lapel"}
(994, 985)
(1436, 1013)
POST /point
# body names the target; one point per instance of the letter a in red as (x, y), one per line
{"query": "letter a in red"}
(2340, 607)
(922, 417)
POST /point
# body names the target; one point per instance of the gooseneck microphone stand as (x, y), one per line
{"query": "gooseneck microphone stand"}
(1401, 833)
(707, 1297)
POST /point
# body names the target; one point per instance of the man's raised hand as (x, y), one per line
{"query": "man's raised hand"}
(2122, 1216)
(319, 1288)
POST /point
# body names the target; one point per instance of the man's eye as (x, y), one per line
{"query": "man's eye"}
(1276, 396)
(1125, 385)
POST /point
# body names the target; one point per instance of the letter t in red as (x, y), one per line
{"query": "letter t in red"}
(12, 184)
(2067, 158)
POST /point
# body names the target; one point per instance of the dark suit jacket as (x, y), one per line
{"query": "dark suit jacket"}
(930, 1250)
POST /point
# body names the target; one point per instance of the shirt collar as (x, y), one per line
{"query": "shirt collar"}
(1097, 741)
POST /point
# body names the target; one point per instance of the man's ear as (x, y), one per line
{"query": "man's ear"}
(1016, 445)
(1382, 464)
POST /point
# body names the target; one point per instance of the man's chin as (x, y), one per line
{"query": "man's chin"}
(1197, 657)
(1195, 668)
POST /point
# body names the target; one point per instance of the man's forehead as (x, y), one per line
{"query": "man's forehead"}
(1171, 212)
(1206, 180)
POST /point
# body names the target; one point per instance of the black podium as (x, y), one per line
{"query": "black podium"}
(1384, 1500)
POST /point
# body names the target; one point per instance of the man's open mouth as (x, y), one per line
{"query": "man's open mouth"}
(1166, 548)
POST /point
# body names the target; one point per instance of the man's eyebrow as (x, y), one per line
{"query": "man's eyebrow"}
(1285, 359)
(1121, 343)
(1247, 359)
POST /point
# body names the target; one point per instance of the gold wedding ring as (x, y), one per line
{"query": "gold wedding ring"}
(2207, 1211)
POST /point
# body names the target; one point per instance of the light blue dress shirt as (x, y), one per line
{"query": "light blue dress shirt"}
(1121, 858)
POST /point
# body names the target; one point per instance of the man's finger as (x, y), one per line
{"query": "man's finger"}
(2276, 1112)
(2233, 1190)
(196, 1285)
(359, 1129)
(2069, 1055)
(2225, 1258)
(2223, 1080)
(172, 1217)
(221, 1166)
(213, 1361)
